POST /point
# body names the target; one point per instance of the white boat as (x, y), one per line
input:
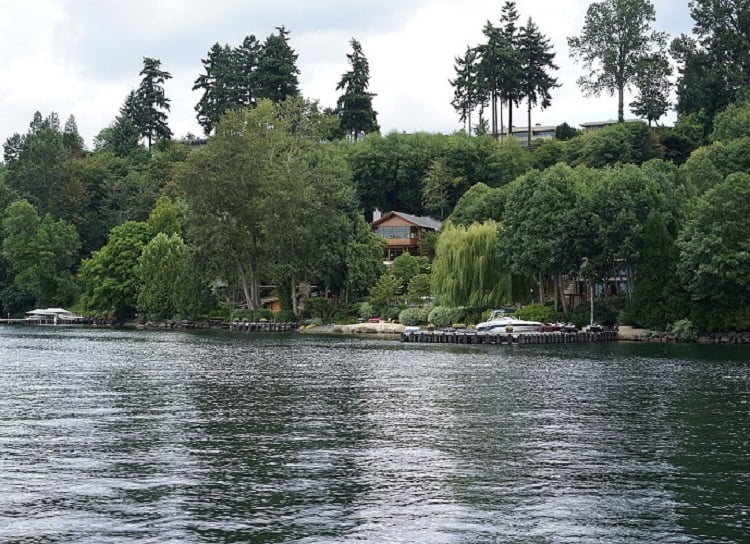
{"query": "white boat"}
(499, 322)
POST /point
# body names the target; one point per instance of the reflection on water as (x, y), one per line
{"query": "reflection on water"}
(133, 436)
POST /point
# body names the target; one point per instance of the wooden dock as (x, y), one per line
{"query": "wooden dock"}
(527, 338)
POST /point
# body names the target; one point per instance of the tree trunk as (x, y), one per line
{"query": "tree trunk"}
(556, 281)
(541, 289)
(502, 124)
(591, 302)
(562, 295)
(510, 117)
(621, 104)
(293, 290)
(528, 132)
(494, 114)
(245, 288)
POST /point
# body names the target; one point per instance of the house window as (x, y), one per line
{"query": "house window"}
(394, 233)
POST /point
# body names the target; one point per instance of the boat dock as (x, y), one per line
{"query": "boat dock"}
(528, 338)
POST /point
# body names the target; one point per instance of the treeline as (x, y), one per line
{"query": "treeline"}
(188, 233)
(278, 197)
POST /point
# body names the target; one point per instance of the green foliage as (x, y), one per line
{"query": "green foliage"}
(320, 307)
(709, 165)
(391, 312)
(732, 123)
(160, 268)
(163, 218)
(414, 316)
(713, 63)
(537, 312)
(564, 132)
(652, 80)
(40, 253)
(442, 316)
(276, 76)
(631, 142)
(355, 104)
(285, 316)
(684, 330)
(437, 186)
(110, 284)
(658, 299)
(364, 259)
(547, 153)
(419, 289)
(467, 269)
(479, 204)
(543, 225)
(715, 253)
(607, 311)
(147, 106)
(407, 266)
(37, 169)
(366, 310)
(385, 291)
(616, 35)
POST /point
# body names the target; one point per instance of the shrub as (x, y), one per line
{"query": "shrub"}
(319, 307)
(391, 313)
(684, 330)
(285, 316)
(537, 312)
(410, 316)
(442, 316)
(365, 310)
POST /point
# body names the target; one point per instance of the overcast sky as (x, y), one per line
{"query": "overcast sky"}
(82, 57)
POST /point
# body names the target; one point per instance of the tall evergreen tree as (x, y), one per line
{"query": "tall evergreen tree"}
(537, 59)
(466, 95)
(616, 35)
(511, 91)
(71, 138)
(490, 71)
(245, 73)
(149, 103)
(217, 85)
(499, 70)
(355, 104)
(277, 72)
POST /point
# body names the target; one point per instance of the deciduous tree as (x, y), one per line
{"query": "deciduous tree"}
(616, 35)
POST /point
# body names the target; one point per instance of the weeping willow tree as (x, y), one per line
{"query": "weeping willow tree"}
(468, 271)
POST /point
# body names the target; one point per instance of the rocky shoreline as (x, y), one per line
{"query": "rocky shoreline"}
(625, 333)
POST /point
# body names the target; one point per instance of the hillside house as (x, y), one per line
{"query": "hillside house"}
(403, 232)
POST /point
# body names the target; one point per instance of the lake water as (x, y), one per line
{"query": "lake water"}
(138, 436)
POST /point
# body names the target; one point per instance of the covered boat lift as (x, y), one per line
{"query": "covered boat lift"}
(52, 316)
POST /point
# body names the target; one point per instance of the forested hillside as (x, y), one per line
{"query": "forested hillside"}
(274, 201)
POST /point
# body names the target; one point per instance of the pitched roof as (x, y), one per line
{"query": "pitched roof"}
(426, 222)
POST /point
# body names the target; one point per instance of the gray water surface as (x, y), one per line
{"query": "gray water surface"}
(136, 436)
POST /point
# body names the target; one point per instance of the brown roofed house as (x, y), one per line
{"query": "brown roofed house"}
(403, 232)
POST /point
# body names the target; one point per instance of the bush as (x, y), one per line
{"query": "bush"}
(684, 330)
(442, 316)
(606, 312)
(537, 312)
(366, 311)
(391, 313)
(285, 316)
(319, 307)
(410, 316)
